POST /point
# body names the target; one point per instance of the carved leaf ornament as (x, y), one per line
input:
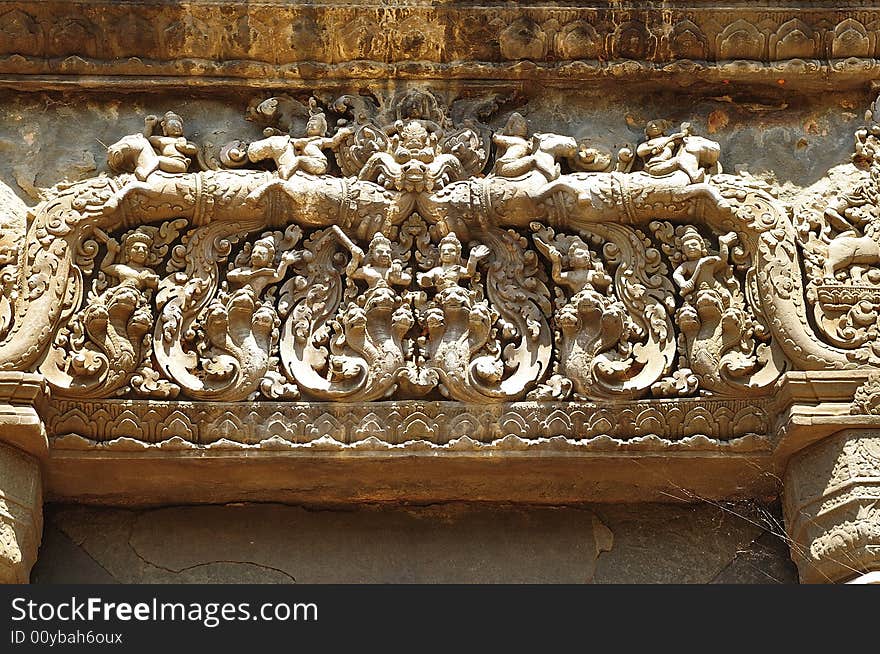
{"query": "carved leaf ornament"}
(400, 255)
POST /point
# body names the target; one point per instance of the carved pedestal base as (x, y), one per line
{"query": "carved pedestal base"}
(832, 491)
(21, 514)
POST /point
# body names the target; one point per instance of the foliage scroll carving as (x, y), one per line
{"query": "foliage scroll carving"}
(402, 254)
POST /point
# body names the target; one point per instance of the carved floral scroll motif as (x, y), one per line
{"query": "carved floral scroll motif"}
(402, 254)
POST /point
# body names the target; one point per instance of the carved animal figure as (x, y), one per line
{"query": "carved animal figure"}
(846, 250)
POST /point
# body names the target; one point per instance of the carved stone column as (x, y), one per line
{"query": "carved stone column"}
(832, 508)
(22, 446)
(21, 514)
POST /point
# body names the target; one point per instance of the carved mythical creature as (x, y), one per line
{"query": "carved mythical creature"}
(594, 325)
(107, 341)
(840, 240)
(367, 350)
(216, 340)
(580, 199)
(458, 322)
(413, 161)
(278, 114)
(476, 327)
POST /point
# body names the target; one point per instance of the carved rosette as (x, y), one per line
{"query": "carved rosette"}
(832, 507)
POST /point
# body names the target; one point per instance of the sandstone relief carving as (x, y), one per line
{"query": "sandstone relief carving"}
(402, 254)
(840, 240)
(571, 42)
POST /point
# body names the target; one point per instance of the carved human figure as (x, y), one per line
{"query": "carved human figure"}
(584, 272)
(379, 269)
(514, 148)
(115, 321)
(520, 155)
(664, 154)
(718, 329)
(304, 154)
(131, 269)
(172, 148)
(699, 270)
(261, 271)
(446, 276)
(145, 153)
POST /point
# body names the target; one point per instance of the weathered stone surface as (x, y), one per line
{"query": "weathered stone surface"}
(451, 543)
(698, 543)
(273, 543)
(262, 42)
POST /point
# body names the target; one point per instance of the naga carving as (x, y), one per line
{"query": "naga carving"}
(402, 254)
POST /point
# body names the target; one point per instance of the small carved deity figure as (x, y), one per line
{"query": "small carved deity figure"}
(520, 155)
(679, 151)
(261, 270)
(145, 153)
(379, 269)
(722, 343)
(304, 154)
(516, 146)
(411, 159)
(445, 277)
(132, 269)
(699, 270)
(414, 141)
(172, 147)
(584, 272)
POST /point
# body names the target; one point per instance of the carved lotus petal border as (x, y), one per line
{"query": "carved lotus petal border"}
(683, 425)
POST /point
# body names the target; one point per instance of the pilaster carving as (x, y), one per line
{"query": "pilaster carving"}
(831, 494)
(21, 514)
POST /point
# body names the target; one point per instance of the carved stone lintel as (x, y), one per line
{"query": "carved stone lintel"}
(832, 491)
(21, 514)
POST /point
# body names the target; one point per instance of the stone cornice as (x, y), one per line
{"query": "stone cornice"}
(20, 425)
(58, 43)
(520, 452)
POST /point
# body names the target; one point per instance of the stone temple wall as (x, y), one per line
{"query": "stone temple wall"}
(449, 543)
(496, 292)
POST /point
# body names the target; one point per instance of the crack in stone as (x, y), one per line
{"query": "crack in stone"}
(196, 565)
(81, 548)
